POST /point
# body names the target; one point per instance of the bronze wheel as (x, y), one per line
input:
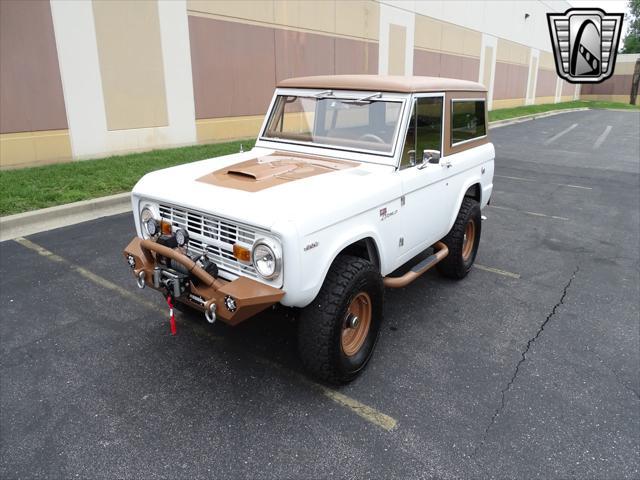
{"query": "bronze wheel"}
(462, 240)
(356, 324)
(469, 239)
(338, 331)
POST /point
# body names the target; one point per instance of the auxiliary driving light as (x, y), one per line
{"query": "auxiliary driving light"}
(148, 222)
(182, 237)
(151, 225)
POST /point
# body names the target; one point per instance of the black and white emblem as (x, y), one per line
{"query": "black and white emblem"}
(585, 43)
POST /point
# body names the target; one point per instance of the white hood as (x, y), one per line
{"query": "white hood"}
(309, 203)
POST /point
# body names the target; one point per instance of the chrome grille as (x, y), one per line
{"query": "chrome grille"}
(213, 234)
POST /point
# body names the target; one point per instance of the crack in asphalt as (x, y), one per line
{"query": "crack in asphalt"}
(523, 357)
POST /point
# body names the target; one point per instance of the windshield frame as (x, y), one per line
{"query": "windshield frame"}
(365, 155)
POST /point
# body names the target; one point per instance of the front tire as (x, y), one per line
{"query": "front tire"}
(462, 241)
(338, 331)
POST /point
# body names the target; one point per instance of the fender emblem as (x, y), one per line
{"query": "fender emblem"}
(310, 246)
(384, 214)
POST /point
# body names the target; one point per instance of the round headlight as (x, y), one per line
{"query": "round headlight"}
(182, 237)
(265, 261)
(148, 222)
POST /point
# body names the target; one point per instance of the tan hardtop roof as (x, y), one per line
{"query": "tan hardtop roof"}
(383, 83)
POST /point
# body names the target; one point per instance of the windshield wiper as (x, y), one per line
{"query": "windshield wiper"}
(324, 93)
(369, 97)
(362, 100)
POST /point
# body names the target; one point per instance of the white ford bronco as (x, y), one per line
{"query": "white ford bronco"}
(351, 178)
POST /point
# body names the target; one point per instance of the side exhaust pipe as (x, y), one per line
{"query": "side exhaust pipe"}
(441, 251)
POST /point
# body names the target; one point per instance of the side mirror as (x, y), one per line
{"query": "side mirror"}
(431, 156)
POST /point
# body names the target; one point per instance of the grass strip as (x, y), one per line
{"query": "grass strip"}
(39, 187)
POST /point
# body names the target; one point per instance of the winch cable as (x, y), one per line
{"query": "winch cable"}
(172, 317)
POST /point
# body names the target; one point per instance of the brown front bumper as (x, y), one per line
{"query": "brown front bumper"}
(250, 296)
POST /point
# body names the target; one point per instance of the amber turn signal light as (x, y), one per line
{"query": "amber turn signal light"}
(165, 227)
(241, 253)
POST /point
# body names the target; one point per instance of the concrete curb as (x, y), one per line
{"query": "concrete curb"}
(28, 223)
(533, 116)
(36, 221)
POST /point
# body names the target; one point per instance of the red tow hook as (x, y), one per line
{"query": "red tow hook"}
(172, 317)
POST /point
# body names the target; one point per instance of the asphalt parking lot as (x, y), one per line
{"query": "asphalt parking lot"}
(528, 368)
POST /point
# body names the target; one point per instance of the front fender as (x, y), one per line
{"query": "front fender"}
(317, 253)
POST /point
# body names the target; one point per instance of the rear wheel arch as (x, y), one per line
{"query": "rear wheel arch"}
(475, 192)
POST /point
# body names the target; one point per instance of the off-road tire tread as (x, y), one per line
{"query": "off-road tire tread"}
(317, 325)
(453, 265)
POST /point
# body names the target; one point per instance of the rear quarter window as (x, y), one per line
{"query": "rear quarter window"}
(467, 120)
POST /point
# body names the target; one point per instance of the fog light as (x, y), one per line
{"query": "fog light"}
(230, 303)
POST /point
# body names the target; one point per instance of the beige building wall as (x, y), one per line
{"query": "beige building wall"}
(131, 65)
(446, 50)
(234, 43)
(511, 74)
(618, 87)
(146, 74)
(33, 120)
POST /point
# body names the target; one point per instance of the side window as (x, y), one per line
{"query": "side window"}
(409, 151)
(467, 120)
(425, 131)
(429, 122)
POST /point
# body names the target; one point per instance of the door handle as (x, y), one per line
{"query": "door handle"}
(446, 164)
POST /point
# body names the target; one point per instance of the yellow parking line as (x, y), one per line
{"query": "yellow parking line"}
(369, 414)
(98, 280)
(497, 270)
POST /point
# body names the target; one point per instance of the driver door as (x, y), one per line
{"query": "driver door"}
(428, 198)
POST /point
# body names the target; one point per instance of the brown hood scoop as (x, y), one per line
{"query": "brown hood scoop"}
(272, 170)
(261, 170)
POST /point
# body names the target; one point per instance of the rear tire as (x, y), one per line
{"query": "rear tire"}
(462, 241)
(338, 331)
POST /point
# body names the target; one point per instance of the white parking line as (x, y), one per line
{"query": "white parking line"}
(535, 214)
(366, 412)
(516, 178)
(603, 136)
(558, 135)
(532, 180)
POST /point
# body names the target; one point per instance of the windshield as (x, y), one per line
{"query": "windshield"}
(343, 123)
